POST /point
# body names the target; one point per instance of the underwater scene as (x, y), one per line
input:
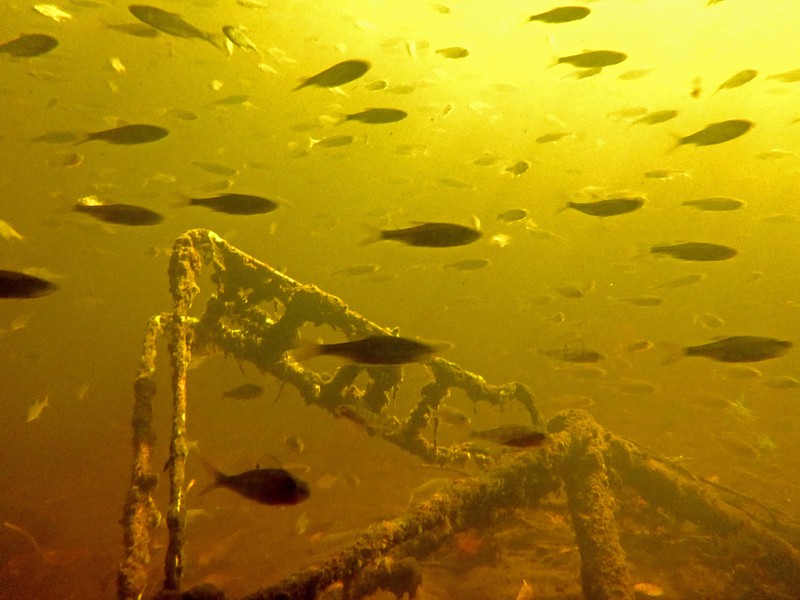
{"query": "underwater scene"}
(383, 299)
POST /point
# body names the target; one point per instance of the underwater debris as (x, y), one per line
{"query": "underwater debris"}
(578, 457)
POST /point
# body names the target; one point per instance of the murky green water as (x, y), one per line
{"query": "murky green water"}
(468, 149)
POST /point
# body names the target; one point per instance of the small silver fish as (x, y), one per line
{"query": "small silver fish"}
(238, 37)
(35, 411)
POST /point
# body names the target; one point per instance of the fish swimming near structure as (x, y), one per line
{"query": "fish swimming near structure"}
(170, 23)
(575, 355)
(373, 350)
(737, 349)
(338, 74)
(276, 487)
(29, 45)
(237, 204)
(246, 391)
(120, 214)
(429, 235)
(20, 285)
(516, 436)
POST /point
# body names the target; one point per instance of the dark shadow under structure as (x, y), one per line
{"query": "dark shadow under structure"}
(254, 314)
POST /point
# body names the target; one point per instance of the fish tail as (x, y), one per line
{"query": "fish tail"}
(373, 234)
(672, 353)
(216, 41)
(306, 350)
(563, 208)
(678, 142)
(213, 471)
(551, 44)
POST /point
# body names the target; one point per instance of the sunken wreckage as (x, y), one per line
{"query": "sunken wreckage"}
(590, 470)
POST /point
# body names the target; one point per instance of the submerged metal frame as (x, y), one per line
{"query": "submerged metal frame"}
(255, 314)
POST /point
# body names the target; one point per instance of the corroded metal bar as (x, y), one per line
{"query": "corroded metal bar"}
(255, 312)
(687, 497)
(140, 514)
(604, 568)
(520, 478)
(184, 268)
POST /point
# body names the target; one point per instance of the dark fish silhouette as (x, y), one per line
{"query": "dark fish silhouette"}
(128, 135)
(377, 116)
(606, 208)
(468, 264)
(717, 133)
(741, 348)
(593, 59)
(516, 436)
(792, 76)
(373, 350)
(575, 355)
(338, 74)
(169, 23)
(276, 487)
(136, 29)
(715, 203)
(453, 52)
(562, 14)
(121, 214)
(246, 391)
(740, 78)
(28, 45)
(655, 117)
(237, 204)
(514, 214)
(430, 235)
(695, 251)
(19, 285)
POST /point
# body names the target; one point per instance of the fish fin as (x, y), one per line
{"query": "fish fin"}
(212, 470)
(563, 208)
(677, 137)
(218, 41)
(551, 44)
(672, 352)
(306, 350)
